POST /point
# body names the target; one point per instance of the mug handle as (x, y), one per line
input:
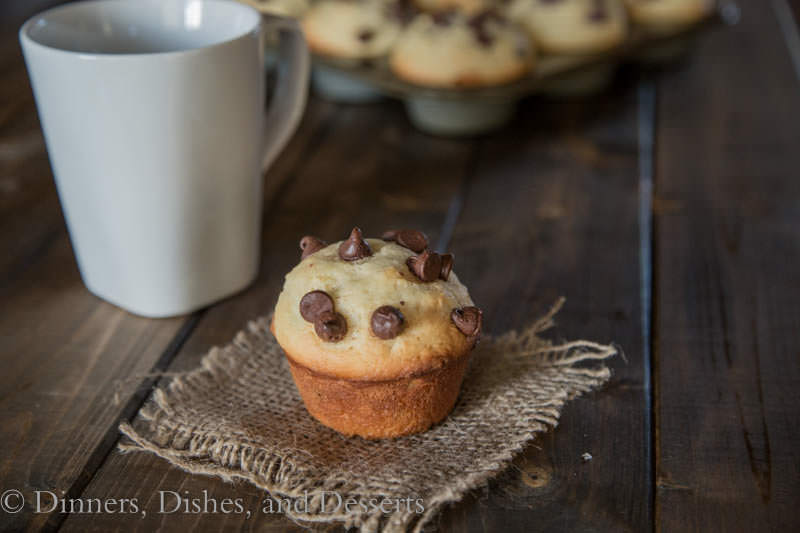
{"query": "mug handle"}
(291, 90)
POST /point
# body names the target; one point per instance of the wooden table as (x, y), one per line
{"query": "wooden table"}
(667, 211)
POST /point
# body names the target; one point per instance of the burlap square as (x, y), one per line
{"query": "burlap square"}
(240, 416)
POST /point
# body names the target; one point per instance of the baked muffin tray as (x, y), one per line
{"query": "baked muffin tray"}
(472, 110)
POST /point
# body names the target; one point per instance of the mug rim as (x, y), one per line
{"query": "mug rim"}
(27, 39)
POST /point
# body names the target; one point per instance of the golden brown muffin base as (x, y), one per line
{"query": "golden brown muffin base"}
(380, 409)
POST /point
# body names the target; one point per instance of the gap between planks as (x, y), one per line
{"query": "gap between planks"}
(646, 97)
(457, 203)
(131, 407)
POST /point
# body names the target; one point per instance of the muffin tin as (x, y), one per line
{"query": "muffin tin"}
(476, 110)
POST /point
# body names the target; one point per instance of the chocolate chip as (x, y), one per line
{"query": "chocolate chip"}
(366, 35)
(478, 24)
(447, 266)
(598, 12)
(314, 303)
(468, 320)
(427, 266)
(414, 240)
(330, 326)
(309, 245)
(403, 11)
(387, 322)
(483, 38)
(444, 18)
(355, 247)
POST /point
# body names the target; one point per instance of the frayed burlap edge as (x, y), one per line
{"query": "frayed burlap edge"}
(232, 457)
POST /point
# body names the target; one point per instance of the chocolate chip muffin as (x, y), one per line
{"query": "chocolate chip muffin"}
(572, 26)
(377, 332)
(452, 49)
(353, 29)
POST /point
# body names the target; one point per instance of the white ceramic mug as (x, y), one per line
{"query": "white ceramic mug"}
(153, 116)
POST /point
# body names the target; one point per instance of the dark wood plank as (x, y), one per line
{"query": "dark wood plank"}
(552, 210)
(727, 324)
(795, 5)
(63, 350)
(364, 165)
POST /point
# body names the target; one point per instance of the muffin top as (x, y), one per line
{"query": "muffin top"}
(451, 49)
(465, 6)
(671, 14)
(355, 29)
(572, 26)
(374, 309)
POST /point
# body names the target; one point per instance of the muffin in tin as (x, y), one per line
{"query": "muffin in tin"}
(667, 19)
(453, 50)
(572, 26)
(377, 333)
(353, 29)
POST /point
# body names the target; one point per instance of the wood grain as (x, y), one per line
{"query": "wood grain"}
(360, 165)
(552, 210)
(727, 323)
(547, 207)
(63, 351)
